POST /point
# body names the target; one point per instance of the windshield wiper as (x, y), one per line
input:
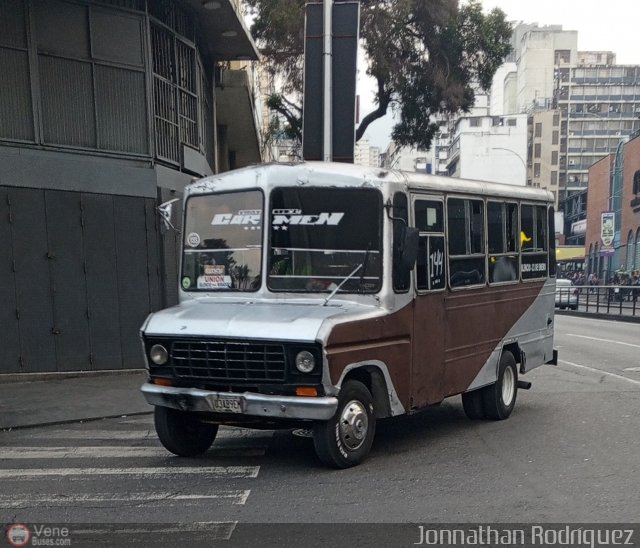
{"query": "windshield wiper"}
(341, 284)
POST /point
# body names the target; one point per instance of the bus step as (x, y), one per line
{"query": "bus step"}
(524, 385)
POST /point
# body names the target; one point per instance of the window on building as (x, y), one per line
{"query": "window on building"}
(93, 83)
(556, 120)
(554, 158)
(537, 150)
(553, 178)
(536, 170)
(555, 136)
(538, 129)
(474, 122)
(512, 122)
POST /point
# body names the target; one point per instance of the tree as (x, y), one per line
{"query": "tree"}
(426, 57)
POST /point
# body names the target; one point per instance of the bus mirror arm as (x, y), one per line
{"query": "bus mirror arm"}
(165, 211)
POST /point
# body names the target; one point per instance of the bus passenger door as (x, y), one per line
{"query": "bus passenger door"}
(429, 319)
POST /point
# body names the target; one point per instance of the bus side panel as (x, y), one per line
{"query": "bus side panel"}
(477, 321)
(386, 339)
(427, 371)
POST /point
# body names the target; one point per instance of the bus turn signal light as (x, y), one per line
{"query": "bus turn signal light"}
(306, 391)
(163, 382)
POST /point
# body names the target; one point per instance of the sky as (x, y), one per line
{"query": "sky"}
(608, 25)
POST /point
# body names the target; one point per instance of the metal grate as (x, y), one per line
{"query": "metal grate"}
(228, 361)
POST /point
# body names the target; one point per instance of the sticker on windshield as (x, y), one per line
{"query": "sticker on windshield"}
(214, 282)
(249, 219)
(193, 239)
(214, 270)
(284, 217)
(186, 282)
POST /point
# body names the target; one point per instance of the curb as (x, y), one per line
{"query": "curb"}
(599, 316)
(72, 421)
(34, 377)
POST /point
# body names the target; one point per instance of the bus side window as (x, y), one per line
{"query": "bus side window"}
(465, 225)
(401, 276)
(502, 224)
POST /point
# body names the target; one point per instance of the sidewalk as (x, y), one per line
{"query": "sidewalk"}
(58, 399)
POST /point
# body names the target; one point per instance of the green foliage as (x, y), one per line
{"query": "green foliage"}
(426, 57)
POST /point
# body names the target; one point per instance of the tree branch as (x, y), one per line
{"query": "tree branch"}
(384, 99)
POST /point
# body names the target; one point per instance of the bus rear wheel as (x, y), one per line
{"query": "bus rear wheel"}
(499, 399)
(345, 439)
(183, 433)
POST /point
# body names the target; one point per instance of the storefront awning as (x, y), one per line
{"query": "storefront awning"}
(569, 253)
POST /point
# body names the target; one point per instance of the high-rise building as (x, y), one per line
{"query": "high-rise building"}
(599, 103)
(365, 154)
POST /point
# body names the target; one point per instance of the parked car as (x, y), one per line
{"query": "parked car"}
(566, 294)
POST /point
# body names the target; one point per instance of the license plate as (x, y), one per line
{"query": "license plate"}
(227, 404)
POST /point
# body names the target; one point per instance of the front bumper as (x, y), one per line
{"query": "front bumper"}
(251, 404)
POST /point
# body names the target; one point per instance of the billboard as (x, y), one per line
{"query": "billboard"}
(607, 232)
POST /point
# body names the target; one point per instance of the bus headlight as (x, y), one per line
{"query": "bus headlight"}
(159, 354)
(305, 362)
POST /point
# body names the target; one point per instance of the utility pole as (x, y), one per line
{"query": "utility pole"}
(327, 58)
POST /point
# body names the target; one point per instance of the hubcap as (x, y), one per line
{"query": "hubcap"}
(508, 386)
(354, 424)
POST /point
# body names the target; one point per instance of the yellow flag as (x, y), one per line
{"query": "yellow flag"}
(524, 238)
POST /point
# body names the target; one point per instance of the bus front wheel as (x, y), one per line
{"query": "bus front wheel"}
(183, 433)
(345, 439)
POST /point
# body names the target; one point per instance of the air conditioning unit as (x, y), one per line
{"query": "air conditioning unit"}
(572, 162)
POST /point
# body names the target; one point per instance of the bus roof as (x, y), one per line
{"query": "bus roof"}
(350, 175)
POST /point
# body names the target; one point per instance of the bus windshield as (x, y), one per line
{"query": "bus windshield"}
(223, 242)
(318, 236)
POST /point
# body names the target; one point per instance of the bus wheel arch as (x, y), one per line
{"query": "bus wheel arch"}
(373, 378)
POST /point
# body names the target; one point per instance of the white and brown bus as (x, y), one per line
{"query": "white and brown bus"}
(331, 296)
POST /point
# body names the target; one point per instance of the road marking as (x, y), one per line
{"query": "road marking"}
(601, 372)
(633, 369)
(603, 340)
(116, 452)
(216, 530)
(211, 472)
(10, 501)
(96, 435)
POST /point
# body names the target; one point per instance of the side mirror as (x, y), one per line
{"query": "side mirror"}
(409, 250)
(165, 211)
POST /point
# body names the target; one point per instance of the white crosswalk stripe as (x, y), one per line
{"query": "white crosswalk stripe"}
(10, 501)
(210, 472)
(115, 452)
(214, 530)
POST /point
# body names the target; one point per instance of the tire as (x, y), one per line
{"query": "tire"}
(499, 398)
(345, 439)
(473, 405)
(183, 433)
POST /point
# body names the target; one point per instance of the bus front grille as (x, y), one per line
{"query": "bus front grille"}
(228, 360)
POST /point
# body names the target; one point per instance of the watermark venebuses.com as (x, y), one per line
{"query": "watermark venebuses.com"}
(533, 535)
(19, 534)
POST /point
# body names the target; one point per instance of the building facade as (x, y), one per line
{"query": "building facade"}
(106, 109)
(490, 148)
(614, 186)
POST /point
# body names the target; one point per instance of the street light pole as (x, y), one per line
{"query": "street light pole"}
(524, 164)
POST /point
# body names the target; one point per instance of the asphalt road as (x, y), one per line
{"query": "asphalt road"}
(570, 452)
